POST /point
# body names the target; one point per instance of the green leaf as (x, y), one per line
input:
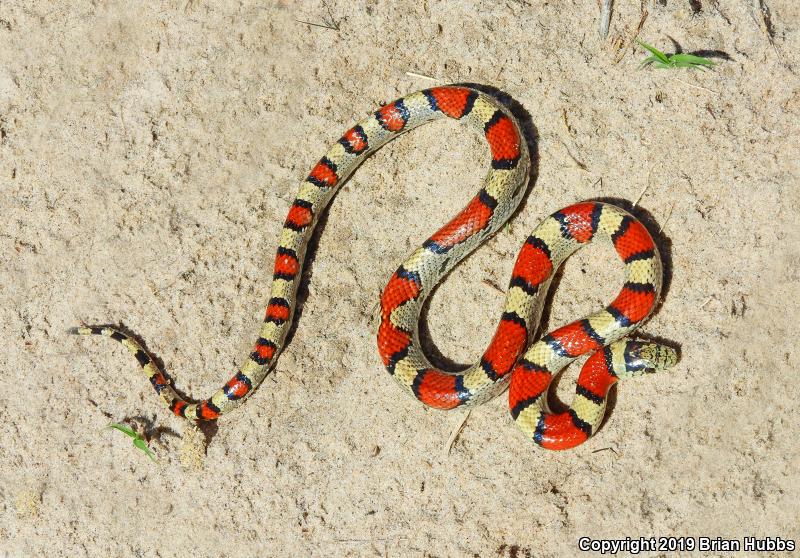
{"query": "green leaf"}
(125, 430)
(654, 51)
(655, 61)
(685, 60)
(139, 443)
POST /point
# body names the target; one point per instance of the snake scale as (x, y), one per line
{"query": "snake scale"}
(512, 358)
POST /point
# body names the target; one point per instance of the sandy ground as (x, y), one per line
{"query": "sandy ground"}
(148, 157)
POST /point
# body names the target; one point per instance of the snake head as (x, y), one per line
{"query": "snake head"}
(656, 356)
(641, 357)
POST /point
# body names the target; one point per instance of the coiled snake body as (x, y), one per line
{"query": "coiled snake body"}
(510, 356)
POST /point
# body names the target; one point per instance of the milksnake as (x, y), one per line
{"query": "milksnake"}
(510, 356)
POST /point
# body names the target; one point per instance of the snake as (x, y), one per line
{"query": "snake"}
(515, 358)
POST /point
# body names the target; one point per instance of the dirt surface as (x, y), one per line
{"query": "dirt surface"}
(148, 156)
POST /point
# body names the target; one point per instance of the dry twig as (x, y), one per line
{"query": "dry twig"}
(454, 435)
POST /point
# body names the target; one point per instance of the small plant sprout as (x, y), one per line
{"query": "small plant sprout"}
(670, 61)
(138, 441)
